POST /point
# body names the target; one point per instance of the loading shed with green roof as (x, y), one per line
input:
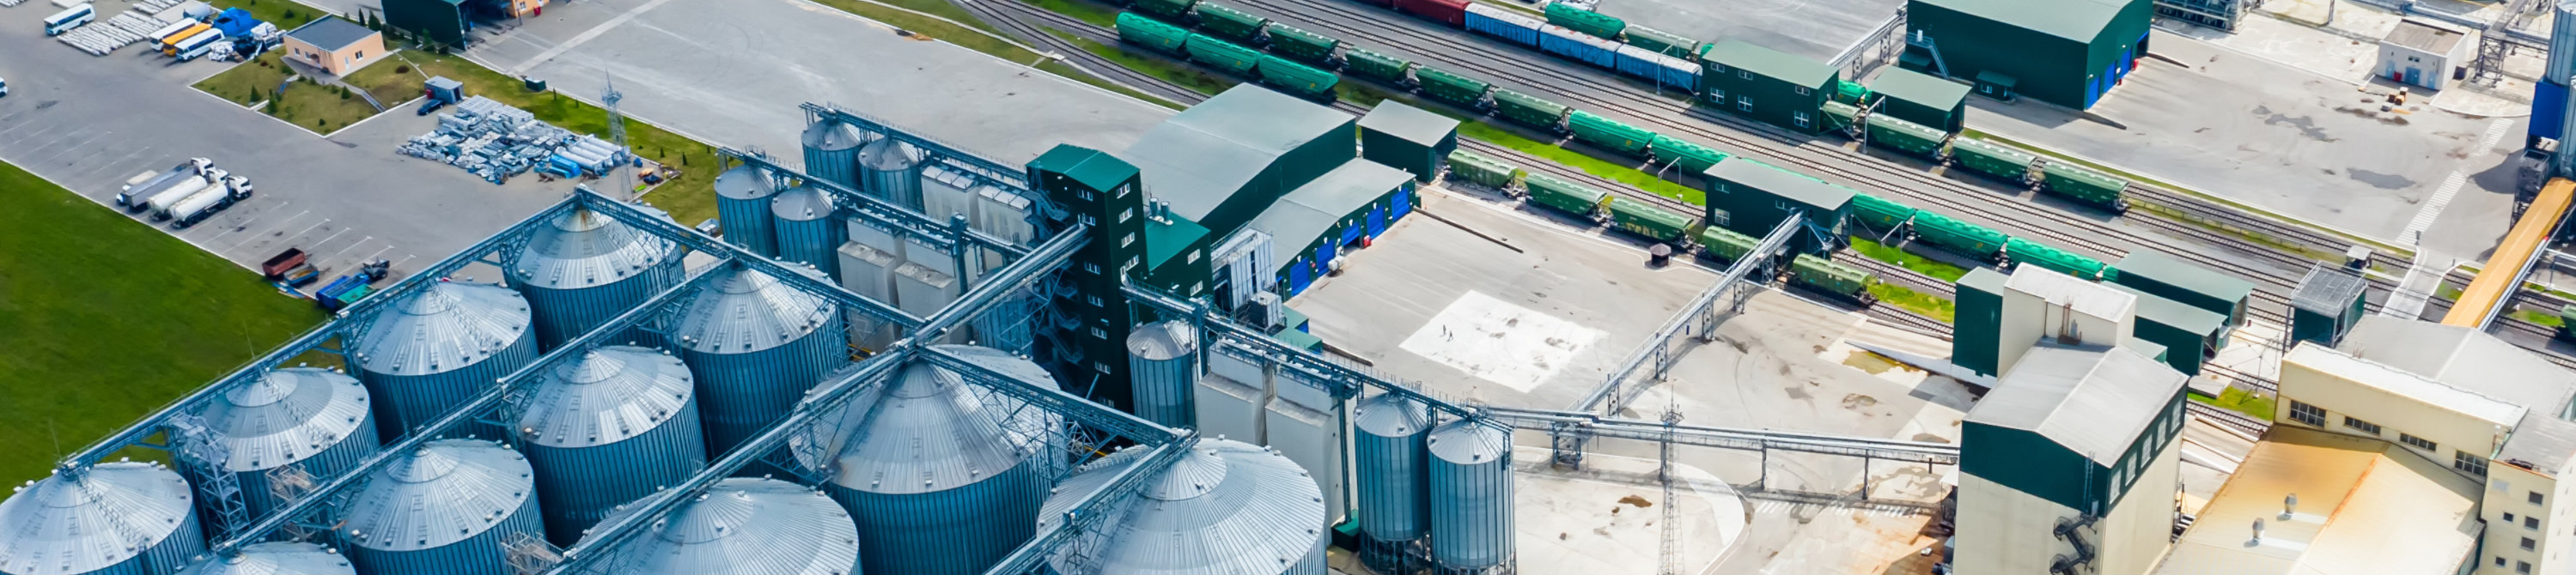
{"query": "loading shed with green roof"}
(1921, 98)
(2064, 52)
(1408, 138)
(1751, 197)
(1765, 84)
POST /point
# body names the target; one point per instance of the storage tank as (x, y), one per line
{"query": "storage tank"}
(1394, 489)
(832, 151)
(1471, 496)
(446, 508)
(926, 461)
(586, 268)
(2560, 63)
(947, 193)
(806, 232)
(1163, 359)
(275, 558)
(616, 424)
(744, 526)
(891, 169)
(118, 518)
(439, 347)
(752, 343)
(316, 420)
(742, 207)
(1224, 507)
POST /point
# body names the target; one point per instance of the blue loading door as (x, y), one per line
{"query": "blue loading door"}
(1403, 202)
(1376, 221)
(1351, 233)
(1298, 277)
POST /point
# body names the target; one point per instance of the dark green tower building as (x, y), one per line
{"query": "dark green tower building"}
(1100, 191)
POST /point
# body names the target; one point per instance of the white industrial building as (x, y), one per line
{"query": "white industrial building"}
(2423, 53)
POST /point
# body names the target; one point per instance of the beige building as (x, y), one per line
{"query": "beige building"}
(2363, 507)
(336, 46)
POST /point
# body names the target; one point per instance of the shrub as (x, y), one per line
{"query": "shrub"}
(402, 69)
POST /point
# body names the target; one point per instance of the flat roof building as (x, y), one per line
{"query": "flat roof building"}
(2067, 52)
(336, 46)
(2070, 459)
(2364, 507)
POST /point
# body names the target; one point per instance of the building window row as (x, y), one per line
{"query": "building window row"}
(2359, 425)
(2417, 442)
(2472, 464)
(2308, 414)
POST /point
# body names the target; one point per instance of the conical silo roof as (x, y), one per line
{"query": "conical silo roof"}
(889, 154)
(1391, 415)
(442, 492)
(443, 327)
(1224, 507)
(288, 415)
(748, 311)
(746, 182)
(609, 395)
(1467, 442)
(92, 519)
(583, 248)
(833, 135)
(744, 526)
(802, 203)
(927, 430)
(275, 558)
(1160, 341)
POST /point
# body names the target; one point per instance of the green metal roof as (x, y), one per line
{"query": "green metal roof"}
(1310, 210)
(1201, 157)
(1410, 123)
(1925, 89)
(1769, 63)
(1783, 183)
(2174, 314)
(2167, 270)
(1985, 280)
(1165, 236)
(1091, 167)
(2078, 20)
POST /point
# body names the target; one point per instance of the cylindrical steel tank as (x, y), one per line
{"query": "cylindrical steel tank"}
(755, 346)
(891, 169)
(443, 509)
(275, 558)
(1394, 486)
(2561, 62)
(832, 151)
(1225, 507)
(1471, 496)
(438, 348)
(806, 231)
(119, 518)
(617, 424)
(316, 420)
(587, 268)
(927, 461)
(745, 526)
(1163, 360)
(742, 207)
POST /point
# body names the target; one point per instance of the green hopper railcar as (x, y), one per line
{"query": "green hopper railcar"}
(1231, 23)
(1723, 244)
(1168, 10)
(2084, 185)
(1881, 214)
(1850, 93)
(2061, 261)
(1446, 86)
(1298, 79)
(1992, 159)
(1826, 276)
(1484, 171)
(1531, 111)
(1639, 218)
(1302, 45)
(1223, 55)
(1689, 158)
(1563, 196)
(1840, 117)
(1610, 134)
(1152, 34)
(1911, 138)
(1585, 21)
(1662, 42)
(1380, 67)
(1963, 238)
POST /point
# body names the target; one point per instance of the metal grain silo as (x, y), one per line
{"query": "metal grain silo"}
(443, 509)
(832, 151)
(927, 461)
(1394, 484)
(1471, 497)
(617, 424)
(119, 518)
(1225, 507)
(891, 169)
(755, 346)
(438, 347)
(1163, 359)
(275, 558)
(317, 420)
(585, 269)
(742, 207)
(745, 526)
(806, 232)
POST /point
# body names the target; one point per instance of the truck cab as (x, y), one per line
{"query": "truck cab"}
(4, 87)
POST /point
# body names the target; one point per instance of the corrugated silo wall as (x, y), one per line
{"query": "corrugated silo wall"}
(403, 401)
(744, 391)
(971, 527)
(1471, 509)
(563, 314)
(478, 555)
(747, 224)
(811, 241)
(1163, 386)
(170, 554)
(1393, 482)
(343, 456)
(582, 485)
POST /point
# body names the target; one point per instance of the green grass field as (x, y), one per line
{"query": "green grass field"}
(304, 103)
(1943, 271)
(1929, 305)
(2238, 400)
(106, 319)
(1135, 59)
(286, 14)
(1097, 14)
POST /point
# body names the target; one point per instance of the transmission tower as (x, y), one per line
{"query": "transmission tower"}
(1672, 548)
(617, 133)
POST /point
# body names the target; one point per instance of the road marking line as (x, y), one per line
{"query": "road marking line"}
(584, 36)
(389, 246)
(2495, 131)
(333, 236)
(280, 224)
(2433, 206)
(354, 245)
(300, 233)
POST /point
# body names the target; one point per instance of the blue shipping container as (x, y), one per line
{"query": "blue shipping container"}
(1505, 24)
(1664, 70)
(2548, 109)
(1582, 47)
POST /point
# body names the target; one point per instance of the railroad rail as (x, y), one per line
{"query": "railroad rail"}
(2227, 418)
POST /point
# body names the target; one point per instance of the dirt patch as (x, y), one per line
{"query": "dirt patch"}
(1858, 401)
(1640, 502)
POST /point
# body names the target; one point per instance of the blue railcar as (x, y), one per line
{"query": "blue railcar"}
(1582, 47)
(1505, 24)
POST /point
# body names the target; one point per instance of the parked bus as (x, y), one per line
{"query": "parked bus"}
(66, 20)
(170, 42)
(197, 45)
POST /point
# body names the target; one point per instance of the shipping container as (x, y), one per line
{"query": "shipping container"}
(1586, 21)
(1723, 244)
(1504, 23)
(1452, 88)
(1569, 197)
(1302, 45)
(1840, 117)
(1993, 160)
(1662, 42)
(1579, 46)
(2084, 185)
(1227, 22)
(1223, 55)
(1484, 171)
(1451, 12)
(1530, 110)
(2023, 251)
(1610, 134)
(1880, 214)
(1168, 10)
(1833, 278)
(1688, 158)
(1151, 34)
(1298, 79)
(1639, 218)
(1380, 67)
(1911, 138)
(1954, 236)
(1665, 72)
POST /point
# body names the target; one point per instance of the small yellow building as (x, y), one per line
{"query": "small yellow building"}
(336, 46)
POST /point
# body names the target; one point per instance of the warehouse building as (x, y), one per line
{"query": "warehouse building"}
(1764, 84)
(2424, 54)
(446, 21)
(1408, 138)
(1752, 197)
(2067, 53)
(1923, 99)
(2070, 465)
